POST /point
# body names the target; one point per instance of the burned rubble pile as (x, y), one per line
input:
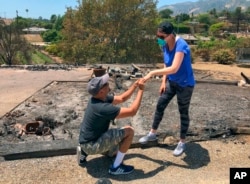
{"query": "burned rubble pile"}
(55, 112)
(41, 67)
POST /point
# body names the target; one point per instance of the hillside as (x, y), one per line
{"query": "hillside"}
(202, 6)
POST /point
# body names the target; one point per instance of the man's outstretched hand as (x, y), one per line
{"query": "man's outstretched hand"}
(141, 84)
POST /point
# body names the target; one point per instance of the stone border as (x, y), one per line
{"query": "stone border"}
(68, 147)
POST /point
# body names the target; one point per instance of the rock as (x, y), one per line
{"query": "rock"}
(103, 181)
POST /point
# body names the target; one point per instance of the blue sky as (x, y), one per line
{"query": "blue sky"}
(45, 8)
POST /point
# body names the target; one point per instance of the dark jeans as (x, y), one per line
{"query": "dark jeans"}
(184, 95)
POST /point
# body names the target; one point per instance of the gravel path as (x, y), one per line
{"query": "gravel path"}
(203, 163)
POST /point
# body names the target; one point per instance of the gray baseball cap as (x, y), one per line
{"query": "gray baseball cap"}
(97, 83)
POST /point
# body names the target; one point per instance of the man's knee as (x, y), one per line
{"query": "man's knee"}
(129, 131)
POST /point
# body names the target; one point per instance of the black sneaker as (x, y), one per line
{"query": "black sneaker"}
(121, 169)
(81, 156)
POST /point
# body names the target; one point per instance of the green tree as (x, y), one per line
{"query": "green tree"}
(53, 18)
(166, 14)
(21, 23)
(110, 31)
(56, 21)
(12, 44)
(225, 13)
(213, 12)
(184, 17)
(51, 36)
(204, 18)
(215, 29)
(58, 24)
(238, 16)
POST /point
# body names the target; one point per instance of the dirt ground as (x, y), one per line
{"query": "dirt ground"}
(17, 85)
(204, 162)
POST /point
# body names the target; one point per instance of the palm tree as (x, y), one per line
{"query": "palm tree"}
(27, 12)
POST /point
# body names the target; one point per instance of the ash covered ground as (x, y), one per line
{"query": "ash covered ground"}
(215, 111)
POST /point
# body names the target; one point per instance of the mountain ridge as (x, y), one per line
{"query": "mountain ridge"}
(202, 6)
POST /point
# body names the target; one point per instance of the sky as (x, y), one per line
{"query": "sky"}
(46, 8)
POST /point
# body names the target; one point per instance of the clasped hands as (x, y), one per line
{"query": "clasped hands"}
(141, 82)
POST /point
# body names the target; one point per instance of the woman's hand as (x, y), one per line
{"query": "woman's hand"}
(136, 83)
(162, 88)
(147, 77)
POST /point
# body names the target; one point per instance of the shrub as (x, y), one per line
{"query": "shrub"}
(224, 56)
(52, 49)
(204, 53)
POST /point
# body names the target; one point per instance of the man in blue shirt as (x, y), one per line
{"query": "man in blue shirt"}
(95, 135)
(178, 79)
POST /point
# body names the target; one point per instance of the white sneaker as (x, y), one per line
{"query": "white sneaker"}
(179, 149)
(81, 156)
(147, 138)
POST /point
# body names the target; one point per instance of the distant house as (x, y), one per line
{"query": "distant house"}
(192, 40)
(34, 30)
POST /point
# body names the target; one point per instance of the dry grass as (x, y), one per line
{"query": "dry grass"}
(33, 37)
